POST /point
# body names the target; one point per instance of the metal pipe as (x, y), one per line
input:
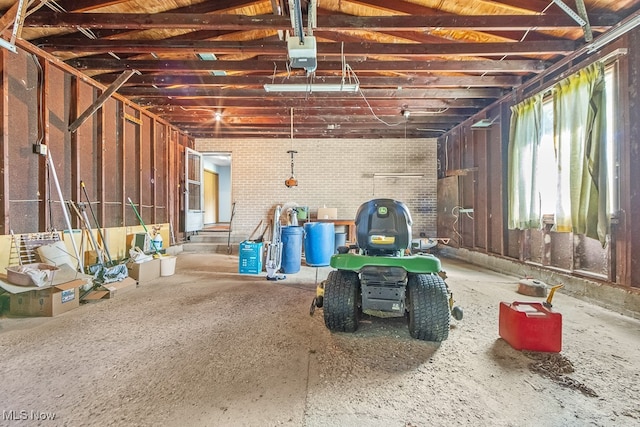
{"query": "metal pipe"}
(65, 210)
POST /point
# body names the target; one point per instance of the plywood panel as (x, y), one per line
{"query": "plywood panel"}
(562, 250)
(480, 189)
(147, 186)
(466, 222)
(24, 166)
(161, 172)
(87, 151)
(495, 189)
(591, 256)
(113, 159)
(131, 165)
(447, 200)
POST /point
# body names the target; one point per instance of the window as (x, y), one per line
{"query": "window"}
(547, 169)
(611, 87)
(547, 173)
(562, 155)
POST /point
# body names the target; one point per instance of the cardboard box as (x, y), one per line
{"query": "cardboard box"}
(110, 290)
(50, 301)
(118, 288)
(327, 213)
(144, 271)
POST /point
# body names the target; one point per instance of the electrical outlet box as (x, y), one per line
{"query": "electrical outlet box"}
(40, 149)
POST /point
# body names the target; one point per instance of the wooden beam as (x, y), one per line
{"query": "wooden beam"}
(198, 21)
(456, 93)
(411, 80)
(101, 99)
(79, 46)
(82, 5)
(180, 66)
(461, 172)
(284, 132)
(132, 119)
(9, 17)
(308, 119)
(207, 7)
(315, 101)
(248, 115)
(14, 17)
(5, 226)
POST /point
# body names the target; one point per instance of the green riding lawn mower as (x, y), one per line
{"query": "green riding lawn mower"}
(378, 277)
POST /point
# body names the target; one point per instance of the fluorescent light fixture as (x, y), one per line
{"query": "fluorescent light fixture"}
(398, 175)
(312, 87)
(212, 57)
(614, 33)
(483, 123)
(208, 56)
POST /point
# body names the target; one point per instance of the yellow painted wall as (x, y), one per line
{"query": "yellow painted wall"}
(118, 242)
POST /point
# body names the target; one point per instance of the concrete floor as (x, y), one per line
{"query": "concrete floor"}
(210, 347)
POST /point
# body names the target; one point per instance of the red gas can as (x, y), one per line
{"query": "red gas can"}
(531, 326)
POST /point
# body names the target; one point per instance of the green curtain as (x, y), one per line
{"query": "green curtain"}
(524, 139)
(580, 141)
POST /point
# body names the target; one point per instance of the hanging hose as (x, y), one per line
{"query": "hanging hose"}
(138, 215)
(153, 247)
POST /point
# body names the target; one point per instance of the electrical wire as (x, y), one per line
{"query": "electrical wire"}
(455, 211)
(374, 114)
(426, 112)
(526, 33)
(432, 130)
(35, 8)
(51, 4)
(453, 226)
(41, 127)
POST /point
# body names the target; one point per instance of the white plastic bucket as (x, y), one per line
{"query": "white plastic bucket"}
(167, 265)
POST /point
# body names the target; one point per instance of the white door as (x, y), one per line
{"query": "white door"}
(194, 198)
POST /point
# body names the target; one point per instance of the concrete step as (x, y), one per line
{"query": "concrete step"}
(208, 247)
(207, 238)
(213, 237)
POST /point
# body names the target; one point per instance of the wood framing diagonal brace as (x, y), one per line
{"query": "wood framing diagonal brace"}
(122, 79)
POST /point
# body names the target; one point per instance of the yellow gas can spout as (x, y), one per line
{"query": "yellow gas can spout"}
(547, 303)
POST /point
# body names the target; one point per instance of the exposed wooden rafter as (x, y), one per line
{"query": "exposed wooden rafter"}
(192, 21)
(443, 60)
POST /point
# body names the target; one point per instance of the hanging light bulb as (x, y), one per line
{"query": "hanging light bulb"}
(292, 181)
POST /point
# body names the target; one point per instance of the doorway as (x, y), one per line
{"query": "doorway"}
(211, 188)
(217, 188)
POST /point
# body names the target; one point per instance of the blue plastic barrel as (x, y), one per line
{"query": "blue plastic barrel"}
(319, 243)
(291, 249)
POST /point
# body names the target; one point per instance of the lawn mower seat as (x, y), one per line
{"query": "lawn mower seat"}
(383, 227)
